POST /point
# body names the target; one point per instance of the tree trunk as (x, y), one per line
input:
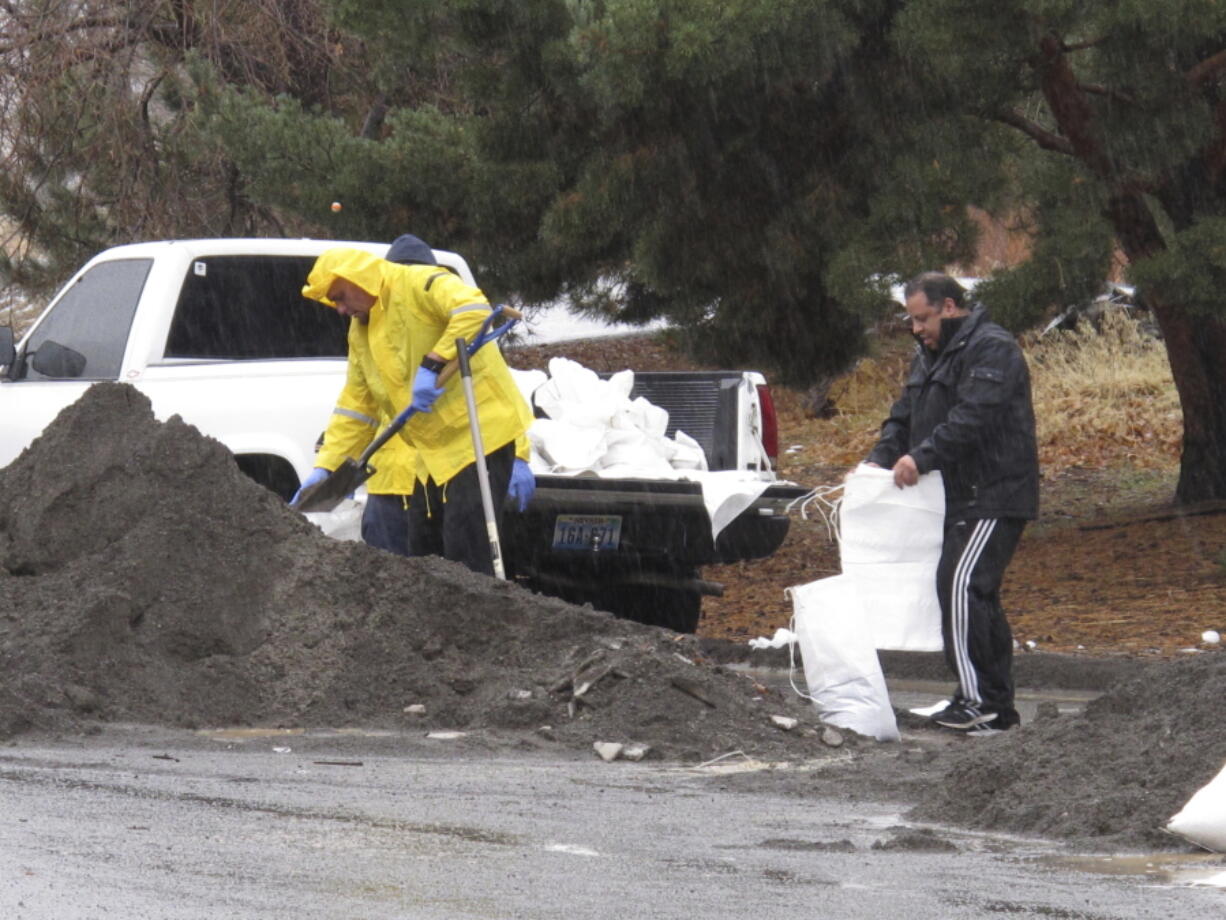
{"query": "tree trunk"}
(1196, 350)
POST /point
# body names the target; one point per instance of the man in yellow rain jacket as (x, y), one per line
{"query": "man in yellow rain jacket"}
(405, 319)
(385, 519)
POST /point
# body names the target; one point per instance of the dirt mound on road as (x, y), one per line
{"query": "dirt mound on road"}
(144, 578)
(1116, 773)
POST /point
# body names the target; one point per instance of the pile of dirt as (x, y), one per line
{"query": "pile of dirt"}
(144, 578)
(1115, 774)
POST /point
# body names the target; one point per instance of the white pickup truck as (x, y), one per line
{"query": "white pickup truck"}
(217, 332)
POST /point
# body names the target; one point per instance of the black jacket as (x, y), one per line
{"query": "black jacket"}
(966, 411)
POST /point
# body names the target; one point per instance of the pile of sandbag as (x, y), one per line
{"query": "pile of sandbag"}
(889, 545)
(591, 425)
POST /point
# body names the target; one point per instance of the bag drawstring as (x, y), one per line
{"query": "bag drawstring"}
(825, 507)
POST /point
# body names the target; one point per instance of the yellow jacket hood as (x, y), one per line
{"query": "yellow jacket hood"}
(355, 265)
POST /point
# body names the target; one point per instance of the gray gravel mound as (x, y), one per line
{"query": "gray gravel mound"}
(1114, 774)
(144, 578)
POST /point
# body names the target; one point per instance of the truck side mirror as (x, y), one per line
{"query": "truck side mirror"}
(55, 360)
(8, 353)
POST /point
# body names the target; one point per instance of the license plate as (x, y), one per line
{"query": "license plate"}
(587, 531)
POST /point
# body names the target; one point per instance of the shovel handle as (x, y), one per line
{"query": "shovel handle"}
(449, 370)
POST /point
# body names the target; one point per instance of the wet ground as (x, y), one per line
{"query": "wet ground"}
(150, 823)
(147, 581)
(920, 694)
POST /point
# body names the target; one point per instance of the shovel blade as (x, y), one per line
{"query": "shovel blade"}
(326, 495)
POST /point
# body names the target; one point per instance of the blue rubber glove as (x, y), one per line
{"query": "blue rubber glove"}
(425, 389)
(315, 477)
(523, 485)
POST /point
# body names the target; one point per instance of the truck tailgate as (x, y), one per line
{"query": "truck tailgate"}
(645, 518)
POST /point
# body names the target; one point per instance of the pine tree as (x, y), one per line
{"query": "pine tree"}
(97, 119)
(1125, 102)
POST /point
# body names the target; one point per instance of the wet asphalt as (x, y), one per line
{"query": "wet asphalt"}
(136, 822)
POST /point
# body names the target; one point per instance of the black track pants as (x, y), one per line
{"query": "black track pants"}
(449, 521)
(978, 641)
(385, 523)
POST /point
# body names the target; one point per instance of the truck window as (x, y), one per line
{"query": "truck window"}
(251, 307)
(93, 317)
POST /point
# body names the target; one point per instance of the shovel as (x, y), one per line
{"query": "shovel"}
(483, 474)
(341, 482)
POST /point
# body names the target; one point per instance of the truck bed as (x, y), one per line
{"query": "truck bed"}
(635, 546)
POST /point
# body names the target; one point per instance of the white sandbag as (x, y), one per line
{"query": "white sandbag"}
(900, 604)
(578, 396)
(527, 382)
(889, 545)
(648, 417)
(566, 448)
(1202, 820)
(620, 384)
(840, 664)
(688, 453)
(628, 446)
(879, 522)
(592, 426)
(344, 522)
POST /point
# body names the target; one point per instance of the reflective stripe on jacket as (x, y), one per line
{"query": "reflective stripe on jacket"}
(349, 433)
(418, 309)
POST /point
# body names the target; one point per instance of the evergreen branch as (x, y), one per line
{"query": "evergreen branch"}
(1207, 68)
(1215, 150)
(34, 36)
(375, 117)
(147, 95)
(1083, 46)
(1071, 109)
(1048, 140)
(1096, 89)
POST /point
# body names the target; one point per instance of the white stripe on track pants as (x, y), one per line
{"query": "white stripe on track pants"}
(978, 641)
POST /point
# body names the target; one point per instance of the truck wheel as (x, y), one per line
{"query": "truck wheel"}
(273, 473)
(672, 608)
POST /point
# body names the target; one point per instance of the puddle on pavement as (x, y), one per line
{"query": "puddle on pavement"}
(239, 734)
(740, 762)
(914, 693)
(570, 849)
(244, 734)
(1166, 868)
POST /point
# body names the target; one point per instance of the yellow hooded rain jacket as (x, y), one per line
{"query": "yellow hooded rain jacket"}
(418, 309)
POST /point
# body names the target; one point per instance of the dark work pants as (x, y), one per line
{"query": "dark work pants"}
(978, 641)
(449, 521)
(385, 523)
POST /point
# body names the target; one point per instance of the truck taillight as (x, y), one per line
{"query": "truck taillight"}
(770, 423)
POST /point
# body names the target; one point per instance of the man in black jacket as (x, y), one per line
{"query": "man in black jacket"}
(966, 410)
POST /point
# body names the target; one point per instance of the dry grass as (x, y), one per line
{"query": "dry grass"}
(861, 400)
(1102, 398)
(1109, 430)
(17, 312)
(1105, 398)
